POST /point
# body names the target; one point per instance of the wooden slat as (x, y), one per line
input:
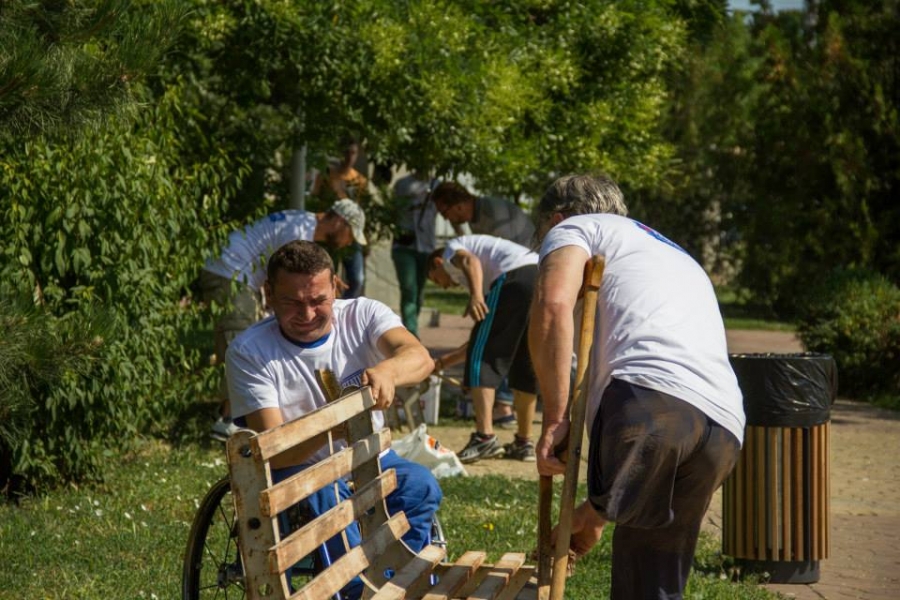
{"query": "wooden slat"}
(301, 485)
(498, 576)
(827, 490)
(287, 435)
(797, 489)
(772, 503)
(759, 465)
(331, 580)
(814, 507)
(749, 500)
(456, 575)
(516, 583)
(418, 567)
(786, 513)
(256, 532)
(740, 508)
(325, 526)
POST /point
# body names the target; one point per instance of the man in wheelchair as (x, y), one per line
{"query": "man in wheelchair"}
(271, 371)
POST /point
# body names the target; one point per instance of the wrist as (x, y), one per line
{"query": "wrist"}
(438, 364)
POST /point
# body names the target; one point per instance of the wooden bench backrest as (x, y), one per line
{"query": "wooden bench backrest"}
(388, 568)
(265, 554)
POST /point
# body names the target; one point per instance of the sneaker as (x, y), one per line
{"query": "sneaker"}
(506, 422)
(520, 450)
(222, 429)
(480, 447)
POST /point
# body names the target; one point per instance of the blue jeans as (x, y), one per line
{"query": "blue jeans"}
(418, 495)
(355, 271)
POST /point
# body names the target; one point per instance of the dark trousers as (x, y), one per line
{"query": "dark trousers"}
(412, 270)
(355, 271)
(654, 463)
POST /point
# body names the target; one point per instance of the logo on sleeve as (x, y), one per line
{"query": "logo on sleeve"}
(653, 233)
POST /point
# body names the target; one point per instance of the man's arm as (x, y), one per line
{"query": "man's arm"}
(407, 363)
(551, 333)
(471, 268)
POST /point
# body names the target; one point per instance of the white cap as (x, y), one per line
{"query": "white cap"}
(355, 217)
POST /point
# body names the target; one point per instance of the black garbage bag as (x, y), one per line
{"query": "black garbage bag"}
(786, 390)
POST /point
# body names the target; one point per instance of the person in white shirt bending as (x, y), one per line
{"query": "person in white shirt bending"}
(500, 277)
(233, 280)
(665, 414)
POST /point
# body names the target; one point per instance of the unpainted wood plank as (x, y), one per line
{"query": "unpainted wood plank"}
(332, 579)
(759, 490)
(787, 544)
(419, 566)
(255, 532)
(498, 576)
(772, 505)
(312, 535)
(799, 532)
(301, 485)
(454, 576)
(514, 589)
(274, 441)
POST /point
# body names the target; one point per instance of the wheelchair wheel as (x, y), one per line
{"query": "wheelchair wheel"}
(437, 534)
(212, 561)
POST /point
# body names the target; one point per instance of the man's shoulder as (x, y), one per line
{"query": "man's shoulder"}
(259, 338)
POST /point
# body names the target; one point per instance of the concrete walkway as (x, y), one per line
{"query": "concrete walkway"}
(864, 560)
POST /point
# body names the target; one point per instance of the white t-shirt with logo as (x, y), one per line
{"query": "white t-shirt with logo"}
(249, 248)
(266, 370)
(658, 322)
(496, 255)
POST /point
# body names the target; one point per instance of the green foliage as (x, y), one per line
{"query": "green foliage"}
(788, 155)
(855, 316)
(113, 218)
(64, 63)
(510, 92)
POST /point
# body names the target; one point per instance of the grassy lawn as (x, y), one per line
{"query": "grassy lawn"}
(125, 539)
(739, 314)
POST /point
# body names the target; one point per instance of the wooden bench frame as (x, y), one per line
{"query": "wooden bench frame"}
(267, 556)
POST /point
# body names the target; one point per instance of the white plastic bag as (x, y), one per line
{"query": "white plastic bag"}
(420, 447)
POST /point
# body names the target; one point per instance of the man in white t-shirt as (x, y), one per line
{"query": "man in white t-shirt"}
(233, 280)
(500, 277)
(271, 376)
(665, 414)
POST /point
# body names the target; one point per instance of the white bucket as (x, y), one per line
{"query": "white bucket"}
(431, 400)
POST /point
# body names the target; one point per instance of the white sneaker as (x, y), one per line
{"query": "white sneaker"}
(222, 429)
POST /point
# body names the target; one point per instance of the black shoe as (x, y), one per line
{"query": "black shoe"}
(480, 447)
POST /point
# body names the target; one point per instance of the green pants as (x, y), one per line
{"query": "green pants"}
(411, 267)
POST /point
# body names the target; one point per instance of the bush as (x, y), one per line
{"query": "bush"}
(854, 315)
(116, 218)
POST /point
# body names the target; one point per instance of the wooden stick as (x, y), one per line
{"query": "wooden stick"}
(577, 410)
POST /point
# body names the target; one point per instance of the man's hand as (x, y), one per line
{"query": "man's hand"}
(552, 435)
(477, 309)
(339, 286)
(381, 380)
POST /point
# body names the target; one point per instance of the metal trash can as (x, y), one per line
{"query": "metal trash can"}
(775, 516)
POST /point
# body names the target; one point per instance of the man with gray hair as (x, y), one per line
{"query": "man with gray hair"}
(664, 414)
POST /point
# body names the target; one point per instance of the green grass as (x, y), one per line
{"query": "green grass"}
(125, 539)
(738, 313)
(452, 301)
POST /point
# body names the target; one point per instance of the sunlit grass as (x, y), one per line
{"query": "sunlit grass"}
(126, 538)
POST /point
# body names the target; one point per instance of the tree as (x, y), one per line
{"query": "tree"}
(101, 225)
(67, 63)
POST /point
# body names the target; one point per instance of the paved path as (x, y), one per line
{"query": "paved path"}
(865, 481)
